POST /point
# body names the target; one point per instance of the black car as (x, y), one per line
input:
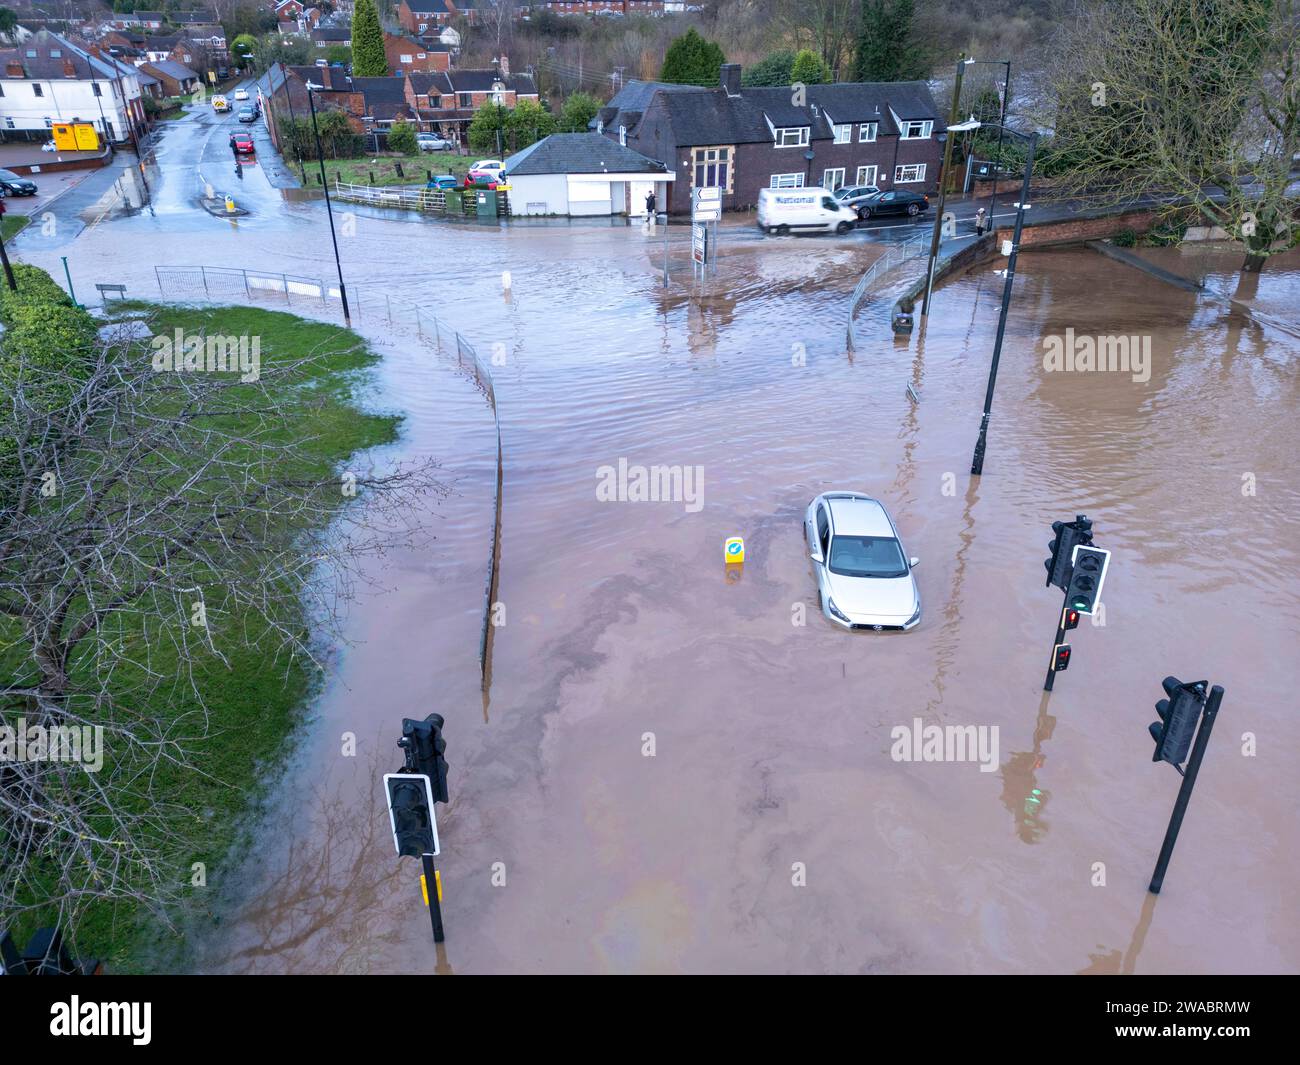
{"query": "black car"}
(895, 201)
(12, 184)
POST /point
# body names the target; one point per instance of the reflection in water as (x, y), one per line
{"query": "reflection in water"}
(1113, 963)
(1021, 794)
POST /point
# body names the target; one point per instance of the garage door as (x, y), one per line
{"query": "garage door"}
(588, 197)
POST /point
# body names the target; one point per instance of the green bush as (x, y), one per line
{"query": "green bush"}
(401, 138)
(1125, 238)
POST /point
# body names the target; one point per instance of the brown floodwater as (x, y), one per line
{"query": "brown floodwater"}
(771, 831)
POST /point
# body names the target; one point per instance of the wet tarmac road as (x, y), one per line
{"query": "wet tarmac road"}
(771, 830)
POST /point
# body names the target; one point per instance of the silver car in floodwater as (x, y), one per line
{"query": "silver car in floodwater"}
(864, 578)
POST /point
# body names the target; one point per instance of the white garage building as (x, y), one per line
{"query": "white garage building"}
(583, 175)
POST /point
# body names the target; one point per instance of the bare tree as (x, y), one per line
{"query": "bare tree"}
(155, 526)
(828, 27)
(1196, 104)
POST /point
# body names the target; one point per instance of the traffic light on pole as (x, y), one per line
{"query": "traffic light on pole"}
(410, 811)
(424, 746)
(1060, 658)
(1069, 619)
(1179, 715)
(1086, 576)
(1067, 536)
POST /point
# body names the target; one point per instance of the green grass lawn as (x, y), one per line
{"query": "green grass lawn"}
(384, 168)
(253, 703)
(13, 224)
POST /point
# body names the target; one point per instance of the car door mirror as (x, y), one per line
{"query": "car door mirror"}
(816, 555)
(914, 562)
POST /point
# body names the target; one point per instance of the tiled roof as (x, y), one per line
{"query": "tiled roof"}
(174, 70)
(581, 153)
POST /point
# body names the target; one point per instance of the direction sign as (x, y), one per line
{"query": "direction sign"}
(712, 195)
(700, 244)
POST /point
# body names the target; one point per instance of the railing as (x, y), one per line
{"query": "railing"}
(364, 304)
(419, 199)
(895, 255)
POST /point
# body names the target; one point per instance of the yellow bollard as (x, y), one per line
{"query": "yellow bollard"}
(230, 204)
(734, 549)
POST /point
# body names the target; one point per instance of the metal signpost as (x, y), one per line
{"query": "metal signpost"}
(706, 211)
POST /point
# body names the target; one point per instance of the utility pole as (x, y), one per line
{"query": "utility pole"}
(329, 210)
(953, 111)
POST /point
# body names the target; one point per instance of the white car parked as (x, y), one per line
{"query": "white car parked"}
(864, 578)
(241, 94)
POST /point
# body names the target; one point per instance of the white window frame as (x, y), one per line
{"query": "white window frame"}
(826, 179)
(779, 181)
(927, 127)
(782, 139)
(844, 133)
(903, 168)
(867, 175)
(867, 133)
(700, 157)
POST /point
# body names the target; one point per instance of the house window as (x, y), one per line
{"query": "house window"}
(435, 102)
(55, 53)
(832, 179)
(844, 134)
(464, 99)
(31, 53)
(866, 175)
(712, 168)
(786, 181)
(911, 173)
(794, 137)
(406, 59)
(419, 55)
(867, 133)
(37, 89)
(916, 130)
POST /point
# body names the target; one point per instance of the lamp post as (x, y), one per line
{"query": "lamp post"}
(1002, 121)
(953, 111)
(329, 210)
(977, 460)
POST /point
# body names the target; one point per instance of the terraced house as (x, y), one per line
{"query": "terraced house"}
(741, 140)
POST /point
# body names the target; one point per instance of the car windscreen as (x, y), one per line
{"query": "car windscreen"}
(9, 175)
(867, 556)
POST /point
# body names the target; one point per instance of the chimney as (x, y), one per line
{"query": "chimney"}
(14, 69)
(69, 71)
(731, 78)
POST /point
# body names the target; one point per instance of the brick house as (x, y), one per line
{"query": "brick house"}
(446, 101)
(422, 16)
(745, 139)
(409, 56)
(175, 78)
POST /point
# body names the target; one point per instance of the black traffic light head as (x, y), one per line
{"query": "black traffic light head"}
(424, 746)
(410, 811)
(1060, 657)
(1179, 715)
(1086, 576)
(1066, 536)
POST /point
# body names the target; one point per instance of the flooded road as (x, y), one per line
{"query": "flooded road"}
(769, 829)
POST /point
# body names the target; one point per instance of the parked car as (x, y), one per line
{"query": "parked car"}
(431, 142)
(895, 201)
(220, 103)
(241, 94)
(864, 578)
(812, 210)
(485, 170)
(242, 143)
(247, 114)
(443, 181)
(12, 184)
(853, 195)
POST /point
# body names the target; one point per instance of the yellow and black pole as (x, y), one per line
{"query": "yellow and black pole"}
(432, 895)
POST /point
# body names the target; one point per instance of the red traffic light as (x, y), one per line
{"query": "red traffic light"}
(1070, 619)
(1061, 657)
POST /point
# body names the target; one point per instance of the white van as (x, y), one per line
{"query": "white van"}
(814, 210)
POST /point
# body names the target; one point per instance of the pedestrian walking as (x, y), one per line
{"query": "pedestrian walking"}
(979, 222)
(650, 204)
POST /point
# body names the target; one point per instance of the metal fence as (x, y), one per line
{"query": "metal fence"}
(411, 197)
(366, 305)
(895, 255)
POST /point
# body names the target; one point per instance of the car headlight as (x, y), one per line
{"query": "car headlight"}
(830, 605)
(915, 617)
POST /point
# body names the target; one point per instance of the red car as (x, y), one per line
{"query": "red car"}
(242, 143)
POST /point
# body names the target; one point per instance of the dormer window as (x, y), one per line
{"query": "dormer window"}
(867, 133)
(917, 130)
(844, 134)
(792, 137)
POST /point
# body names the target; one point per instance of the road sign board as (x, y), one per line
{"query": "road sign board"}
(706, 195)
(706, 212)
(700, 244)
